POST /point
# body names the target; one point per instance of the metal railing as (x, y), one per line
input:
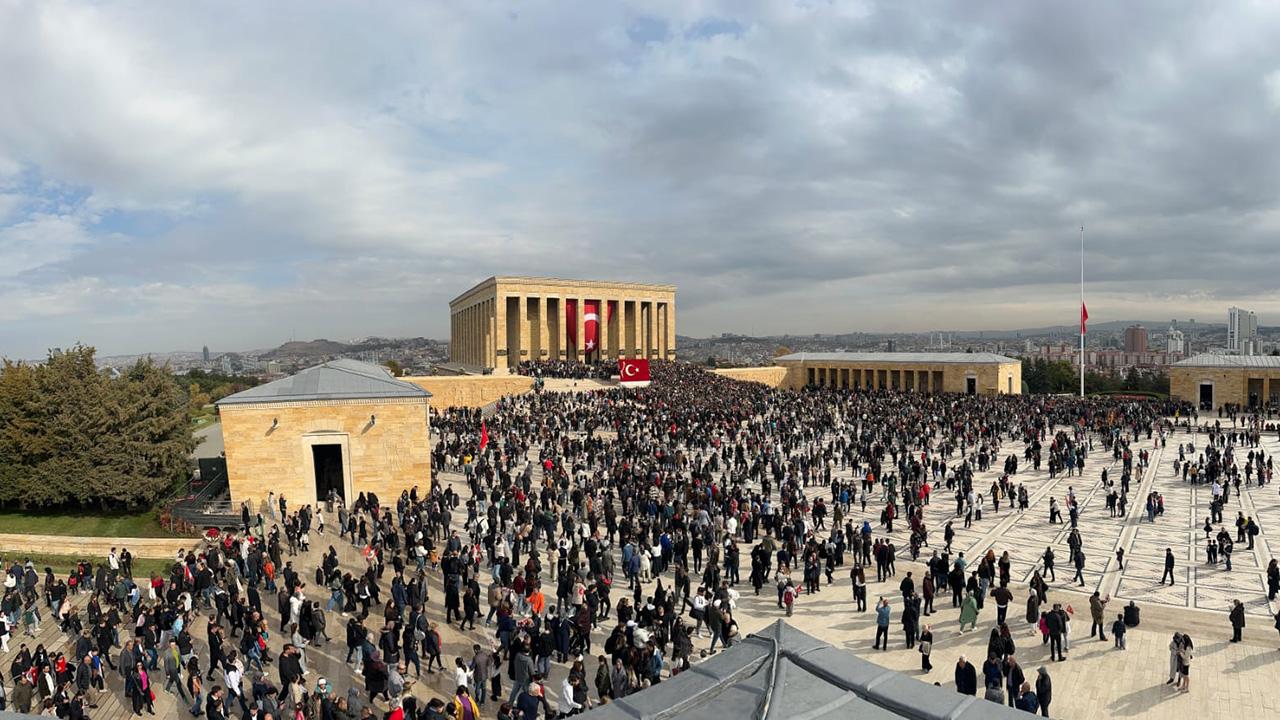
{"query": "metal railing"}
(211, 506)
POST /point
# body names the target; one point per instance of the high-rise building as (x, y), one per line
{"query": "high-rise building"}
(1175, 342)
(1135, 339)
(205, 353)
(1242, 331)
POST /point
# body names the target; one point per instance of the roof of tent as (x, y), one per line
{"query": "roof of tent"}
(784, 673)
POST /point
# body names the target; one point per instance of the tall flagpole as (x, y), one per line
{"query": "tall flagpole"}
(1081, 311)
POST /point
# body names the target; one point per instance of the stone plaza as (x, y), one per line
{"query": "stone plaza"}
(1096, 681)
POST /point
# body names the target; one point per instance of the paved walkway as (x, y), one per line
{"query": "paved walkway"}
(1228, 680)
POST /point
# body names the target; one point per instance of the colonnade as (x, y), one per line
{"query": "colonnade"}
(505, 329)
(882, 378)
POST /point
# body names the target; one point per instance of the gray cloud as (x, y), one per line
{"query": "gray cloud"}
(170, 178)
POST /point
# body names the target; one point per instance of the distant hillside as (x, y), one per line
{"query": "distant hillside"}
(321, 348)
(307, 348)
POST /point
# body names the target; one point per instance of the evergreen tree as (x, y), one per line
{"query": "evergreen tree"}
(71, 436)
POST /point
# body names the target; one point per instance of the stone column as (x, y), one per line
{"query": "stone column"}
(629, 327)
(463, 339)
(500, 332)
(664, 319)
(546, 329)
(641, 329)
(522, 318)
(538, 324)
(580, 329)
(603, 323)
(471, 335)
(671, 329)
(617, 343)
(651, 330)
(491, 345)
(562, 324)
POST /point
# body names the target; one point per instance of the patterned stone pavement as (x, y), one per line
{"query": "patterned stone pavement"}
(1026, 534)
(1229, 680)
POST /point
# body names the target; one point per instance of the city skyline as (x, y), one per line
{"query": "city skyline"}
(236, 174)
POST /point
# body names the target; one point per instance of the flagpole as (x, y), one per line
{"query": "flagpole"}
(1082, 311)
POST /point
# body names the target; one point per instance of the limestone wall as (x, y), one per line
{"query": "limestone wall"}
(774, 376)
(990, 378)
(387, 456)
(470, 390)
(1230, 385)
(94, 548)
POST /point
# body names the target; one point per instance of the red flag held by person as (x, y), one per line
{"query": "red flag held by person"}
(1084, 315)
(484, 435)
(633, 372)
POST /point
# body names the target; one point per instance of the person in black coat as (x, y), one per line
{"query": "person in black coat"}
(1013, 678)
(966, 677)
(290, 665)
(1237, 620)
(375, 677)
(1044, 689)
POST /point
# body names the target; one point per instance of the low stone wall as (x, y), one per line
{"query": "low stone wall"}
(470, 390)
(774, 376)
(93, 548)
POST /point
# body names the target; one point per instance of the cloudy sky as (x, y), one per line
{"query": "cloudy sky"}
(233, 174)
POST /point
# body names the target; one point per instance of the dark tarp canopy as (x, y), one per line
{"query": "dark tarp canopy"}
(784, 673)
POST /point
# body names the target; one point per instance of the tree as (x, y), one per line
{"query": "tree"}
(782, 350)
(198, 397)
(394, 367)
(1044, 376)
(69, 435)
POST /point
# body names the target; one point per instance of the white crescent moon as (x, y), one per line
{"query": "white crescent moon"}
(628, 370)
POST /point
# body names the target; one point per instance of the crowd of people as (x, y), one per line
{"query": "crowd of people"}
(602, 534)
(568, 369)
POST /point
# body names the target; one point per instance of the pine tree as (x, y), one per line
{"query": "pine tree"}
(71, 436)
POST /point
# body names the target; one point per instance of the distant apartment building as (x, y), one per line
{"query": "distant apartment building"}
(1135, 339)
(1111, 361)
(1175, 342)
(1242, 331)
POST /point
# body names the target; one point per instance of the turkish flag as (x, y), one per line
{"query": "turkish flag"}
(633, 370)
(1084, 315)
(591, 325)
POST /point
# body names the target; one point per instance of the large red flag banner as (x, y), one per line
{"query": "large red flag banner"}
(590, 325)
(571, 321)
(1084, 316)
(633, 372)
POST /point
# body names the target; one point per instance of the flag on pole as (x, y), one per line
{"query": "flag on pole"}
(484, 435)
(1084, 316)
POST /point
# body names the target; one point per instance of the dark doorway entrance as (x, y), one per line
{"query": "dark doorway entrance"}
(1255, 386)
(1206, 396)
(328, 463)
(971, 386)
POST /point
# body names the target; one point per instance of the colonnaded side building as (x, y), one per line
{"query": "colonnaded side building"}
(1211, 381)
(507, 319)
(956, 372)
